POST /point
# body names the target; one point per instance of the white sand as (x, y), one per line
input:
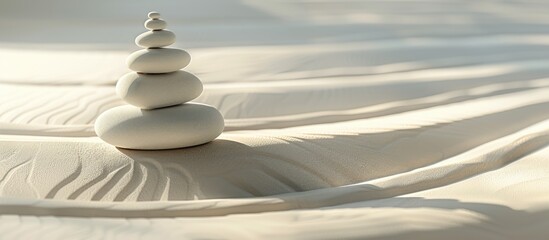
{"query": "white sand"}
(367, 120)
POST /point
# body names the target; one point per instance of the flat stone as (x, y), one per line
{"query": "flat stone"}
(155, 24)
(150, 91)
(158, 60)
(155, 39)
(153, 15)
(179, 126)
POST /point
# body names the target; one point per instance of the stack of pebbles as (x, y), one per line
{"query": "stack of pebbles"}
(161, 116)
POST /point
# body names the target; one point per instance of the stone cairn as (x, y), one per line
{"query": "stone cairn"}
(160, 115)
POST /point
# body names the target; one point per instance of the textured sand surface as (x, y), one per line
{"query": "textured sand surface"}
(344, 119)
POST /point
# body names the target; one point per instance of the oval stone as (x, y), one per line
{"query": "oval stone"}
(158, 60)
(179, 126)
(154, 15)
(150, 91)
(155, 24)
(155, 39)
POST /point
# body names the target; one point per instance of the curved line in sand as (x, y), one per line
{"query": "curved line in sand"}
(500, 153)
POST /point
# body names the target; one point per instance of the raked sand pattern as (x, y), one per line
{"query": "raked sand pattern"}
(370, 120)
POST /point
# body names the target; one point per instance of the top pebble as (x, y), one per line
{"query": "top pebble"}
(154, 15)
